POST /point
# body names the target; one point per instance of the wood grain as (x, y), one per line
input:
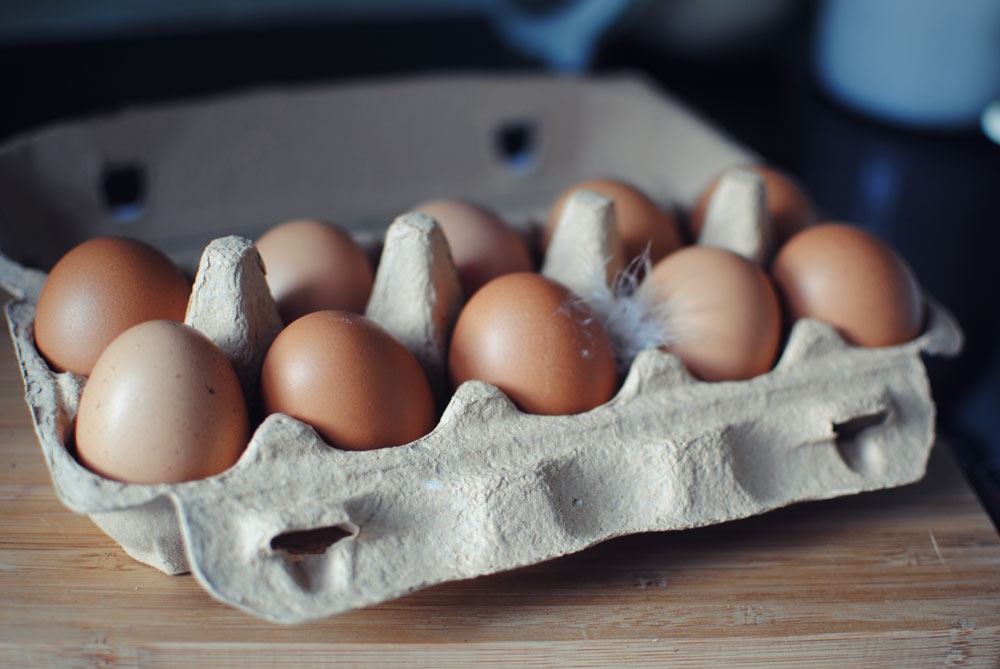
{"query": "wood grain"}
(909, 576)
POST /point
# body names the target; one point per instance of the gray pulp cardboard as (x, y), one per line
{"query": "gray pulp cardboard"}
(736, 218)
(490, 488)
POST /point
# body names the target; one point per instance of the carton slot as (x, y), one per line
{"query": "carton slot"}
(312, 542)
(851, 429)
(516, 143)
(305, 553)
(123, 191)
(858, 452)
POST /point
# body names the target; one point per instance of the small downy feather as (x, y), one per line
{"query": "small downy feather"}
(632, 316)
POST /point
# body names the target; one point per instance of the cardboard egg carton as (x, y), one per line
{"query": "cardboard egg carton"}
(298, 530)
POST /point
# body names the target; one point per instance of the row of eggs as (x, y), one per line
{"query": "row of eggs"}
(162, 403)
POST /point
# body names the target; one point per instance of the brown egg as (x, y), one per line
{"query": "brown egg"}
(163, 405)
(787, 204)
(99, 290)
(719, 310)
(850, 279)
(535, 341)
(312, 266)
(640, 221)
(482, 246)
(357, 385)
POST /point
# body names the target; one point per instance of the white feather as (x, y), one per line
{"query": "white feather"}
(633, 318)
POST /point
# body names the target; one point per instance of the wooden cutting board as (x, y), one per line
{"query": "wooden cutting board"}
(906, 577)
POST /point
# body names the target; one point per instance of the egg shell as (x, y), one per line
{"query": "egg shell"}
(718, 310)
(482, 245)
(99, 290)
(844, 276)
(641, 223)
(312, 265)
(162, 405)
(537, 342)
(787, 204)
(350, 380)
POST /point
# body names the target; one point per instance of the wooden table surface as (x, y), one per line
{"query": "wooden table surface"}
(906, 577)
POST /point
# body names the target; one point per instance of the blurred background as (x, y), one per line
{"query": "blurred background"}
(887, 111)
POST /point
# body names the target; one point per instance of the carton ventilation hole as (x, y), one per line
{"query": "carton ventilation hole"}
(123, 187)
(311, 542)
(859, 454)
(515, 144)
(304, 552)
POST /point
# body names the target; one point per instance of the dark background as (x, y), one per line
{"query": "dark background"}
(940, 211)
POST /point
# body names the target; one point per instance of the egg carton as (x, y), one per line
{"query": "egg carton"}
(297, 530)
